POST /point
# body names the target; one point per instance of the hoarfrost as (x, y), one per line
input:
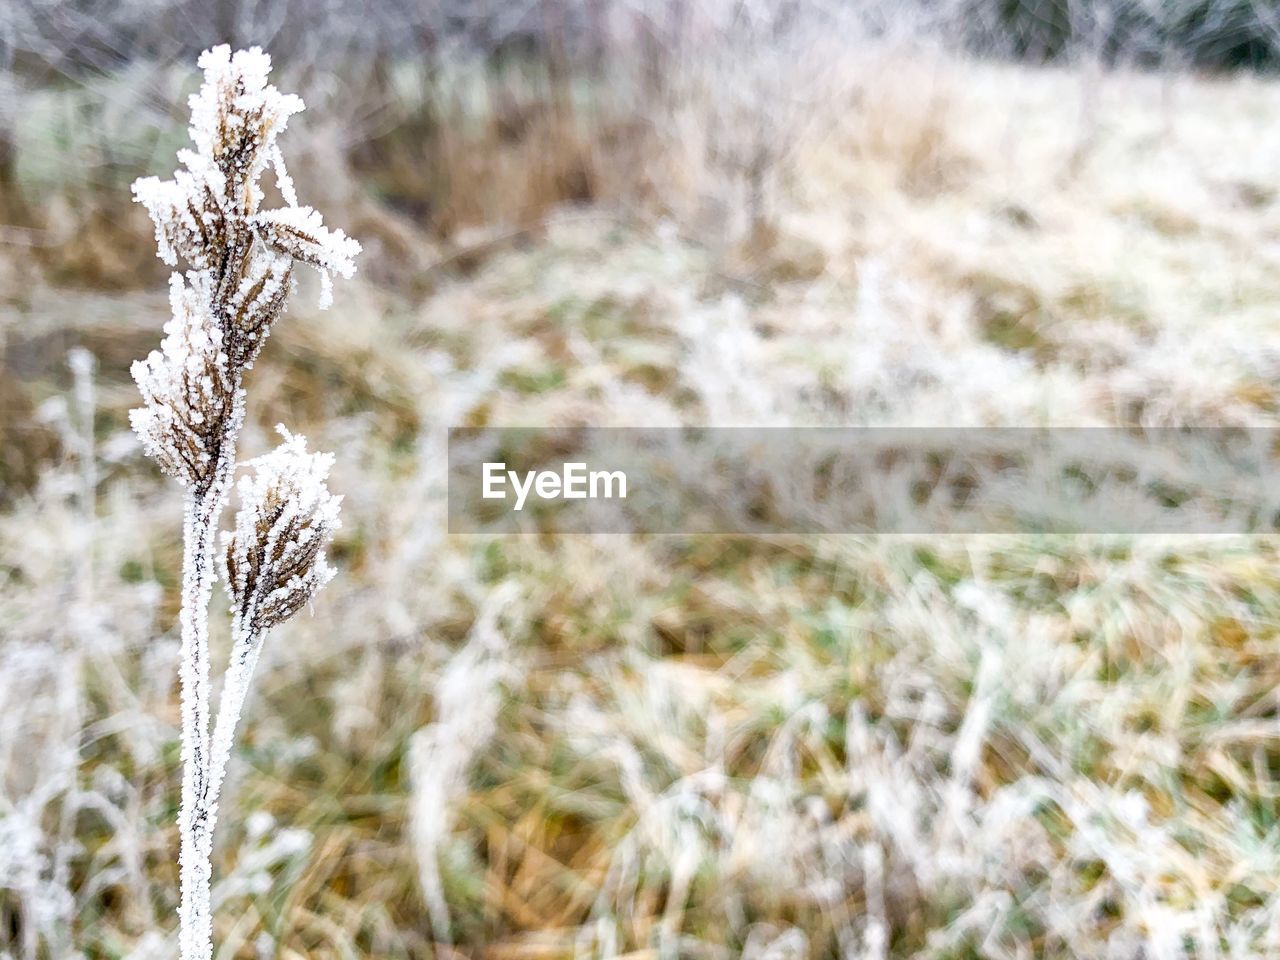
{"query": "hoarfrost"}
(240, 264)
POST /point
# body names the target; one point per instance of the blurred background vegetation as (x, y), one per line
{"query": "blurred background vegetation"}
(465, 113)
(942, 212)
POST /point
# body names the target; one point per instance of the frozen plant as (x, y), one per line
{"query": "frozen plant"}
(239, 274)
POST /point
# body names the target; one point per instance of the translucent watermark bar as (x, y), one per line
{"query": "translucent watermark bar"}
(784, 480)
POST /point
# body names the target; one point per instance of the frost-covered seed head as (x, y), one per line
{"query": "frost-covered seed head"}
(274, 559)
(257, 303)
(208, 215)
(240, 260)
(237, 116)
(188, 398)
(186, 211)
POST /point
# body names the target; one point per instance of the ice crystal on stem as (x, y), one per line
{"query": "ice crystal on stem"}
(301, 234)
(239, 275)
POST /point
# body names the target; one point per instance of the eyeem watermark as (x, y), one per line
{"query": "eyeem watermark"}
(573, 482)
(777, 480)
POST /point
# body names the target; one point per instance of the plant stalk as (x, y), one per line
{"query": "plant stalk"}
(200, 520)
(246, 643)
(202, 510)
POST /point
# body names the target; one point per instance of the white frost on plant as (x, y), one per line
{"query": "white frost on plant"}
(257, 301)
(185, 210)
(274, 564)
(186, 387)
(300, 233)
(237, 116)
(275, 559)
(468, 699)
(240, 275)
(283, 180)
(212, 204)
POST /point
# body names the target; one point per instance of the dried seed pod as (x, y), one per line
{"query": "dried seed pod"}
(186, 211)
(189, 400)
(236, 118)
(241, 260)
(274, 559)
(256, 304)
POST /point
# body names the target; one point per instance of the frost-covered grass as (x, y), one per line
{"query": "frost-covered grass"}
(790, 747)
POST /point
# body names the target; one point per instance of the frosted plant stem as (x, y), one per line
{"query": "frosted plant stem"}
(202, 511)
(246, 643)
(201, 515)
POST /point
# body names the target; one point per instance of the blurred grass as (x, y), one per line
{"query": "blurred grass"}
(1051, 746)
